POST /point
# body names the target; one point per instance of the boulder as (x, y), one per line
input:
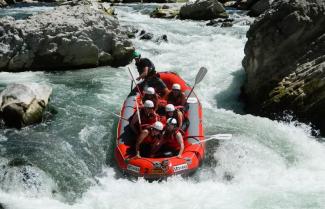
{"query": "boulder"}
(226, 25)
(145, 36)
(11, 2)
(221, 22)
(24, 104)
(66, 38)
(203, 10)
(3, 3)
(131, 31)
(256, 7)
(162, 38)
(167, 13)
(259, 7)
(230, 3)
(285, 61)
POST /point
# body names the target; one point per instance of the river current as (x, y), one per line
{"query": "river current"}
(68, 160)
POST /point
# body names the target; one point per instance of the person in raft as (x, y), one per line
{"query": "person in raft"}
(148, 116)
(176, 96)
(148, 74)
(147, 139)
(172, 140)
(150, 94)
(172, 112)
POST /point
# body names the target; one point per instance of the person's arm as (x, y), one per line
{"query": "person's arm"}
(180, 141)
(183, 99)
(143, 74)
(156, 103)
(134, 121)
(165, 93)
(142, 136)
(180, 119)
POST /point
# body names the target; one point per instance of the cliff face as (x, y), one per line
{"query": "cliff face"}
(66, 38)
(285, 61)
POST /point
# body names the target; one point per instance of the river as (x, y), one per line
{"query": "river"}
(70, 164)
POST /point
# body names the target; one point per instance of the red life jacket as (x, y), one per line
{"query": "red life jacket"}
(176, 100)
(150, 139)
(170, 140)
(147, 120)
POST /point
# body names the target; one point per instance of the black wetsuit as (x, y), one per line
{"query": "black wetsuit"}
(145, 62)
(151, 80)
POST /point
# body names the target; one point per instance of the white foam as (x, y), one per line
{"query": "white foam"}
(272, 164)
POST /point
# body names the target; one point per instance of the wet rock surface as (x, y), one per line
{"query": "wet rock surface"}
(24, 104)
(3, 3)
(203, 10)
(66, 38)
(165, 12)
(285, 61)
(255, 7)
(221, 22)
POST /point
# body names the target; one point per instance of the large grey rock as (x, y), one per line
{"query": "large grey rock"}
(24, 104)
(3, 3)
(259, 7)
(285, 61)
(256, 7)
(203, 10)
(68, 37)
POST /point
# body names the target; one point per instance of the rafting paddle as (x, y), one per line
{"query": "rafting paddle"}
(199, 77)
(123, 118)
(216, 137)
(136, 84)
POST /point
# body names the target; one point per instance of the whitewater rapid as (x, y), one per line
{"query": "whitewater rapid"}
(267, 164)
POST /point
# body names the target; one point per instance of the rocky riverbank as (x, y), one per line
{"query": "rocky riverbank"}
(285, 61)
(66, 38)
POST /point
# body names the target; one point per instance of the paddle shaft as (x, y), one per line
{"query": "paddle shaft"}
(188, 96)
(220, 137)
(136, 85)
(119, 116)
(138, 114)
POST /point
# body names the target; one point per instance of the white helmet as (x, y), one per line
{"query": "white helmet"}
(158, 125)
(170, 108)
(176, 86)
(149, 104)
(171, 121)
(150, 91)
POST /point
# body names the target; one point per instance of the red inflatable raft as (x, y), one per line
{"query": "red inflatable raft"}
(155, 168)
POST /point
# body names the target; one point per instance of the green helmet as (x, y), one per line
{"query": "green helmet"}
(136, 54)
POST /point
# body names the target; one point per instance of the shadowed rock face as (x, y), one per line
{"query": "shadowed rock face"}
(3, 3)
(68, 37)
(285, 61)
(23, 104)
(203, 10)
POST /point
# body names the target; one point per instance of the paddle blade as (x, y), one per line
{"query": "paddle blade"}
(217, 137)
(200, 75)
(222, 136)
